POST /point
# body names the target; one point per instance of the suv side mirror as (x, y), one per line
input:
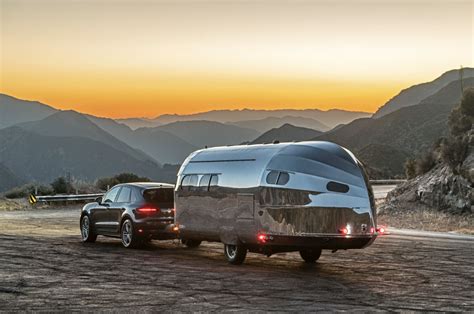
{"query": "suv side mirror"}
(98, 200)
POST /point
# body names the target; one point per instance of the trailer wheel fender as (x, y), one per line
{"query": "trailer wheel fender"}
(229, 236)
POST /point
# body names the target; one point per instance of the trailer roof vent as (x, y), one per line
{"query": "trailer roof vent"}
(276, 142)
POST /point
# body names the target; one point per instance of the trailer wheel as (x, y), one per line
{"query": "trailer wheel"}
(310, 255)
(191, 243)
(235, 254)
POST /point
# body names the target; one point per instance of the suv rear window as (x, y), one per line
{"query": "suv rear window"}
(163, 198)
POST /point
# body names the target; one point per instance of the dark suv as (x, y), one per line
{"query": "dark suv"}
(135, 212)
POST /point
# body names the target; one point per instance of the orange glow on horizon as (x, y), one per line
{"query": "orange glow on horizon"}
(123, 58)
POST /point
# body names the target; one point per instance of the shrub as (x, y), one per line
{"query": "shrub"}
(459, 123)
(410, 168)
(467, 103)
(25, 190)
(425, 163)
(454, 150)
(62, 186)
(105, 183)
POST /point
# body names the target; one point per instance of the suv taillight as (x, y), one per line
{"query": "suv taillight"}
(147, 210)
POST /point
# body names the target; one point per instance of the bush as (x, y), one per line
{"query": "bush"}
(25, 190)
(425, 163)
(454, 150)
(410, 168)
(106, 183)
(62, 186)
(467, 103)
(459, 123)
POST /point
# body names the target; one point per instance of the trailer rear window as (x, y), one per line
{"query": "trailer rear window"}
(337, 187)
(163, 198)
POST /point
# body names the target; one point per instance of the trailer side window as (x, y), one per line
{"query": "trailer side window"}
(283, 178)
(278, 177)
(189, 181)
(204, 182)
(272, 177)
(213, 183)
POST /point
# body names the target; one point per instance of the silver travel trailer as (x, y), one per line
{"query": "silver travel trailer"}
(271, 198)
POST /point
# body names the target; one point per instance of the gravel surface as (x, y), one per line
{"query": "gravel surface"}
(44, 266)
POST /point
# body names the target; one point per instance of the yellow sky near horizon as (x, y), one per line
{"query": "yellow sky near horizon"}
(145, 58)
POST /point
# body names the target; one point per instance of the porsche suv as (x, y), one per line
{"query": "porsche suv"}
(133, 212)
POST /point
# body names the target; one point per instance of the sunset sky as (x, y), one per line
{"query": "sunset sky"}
(145, 58)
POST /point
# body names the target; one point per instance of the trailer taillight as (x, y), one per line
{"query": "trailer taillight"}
(381, 230)
(344, 231)
(262, 238)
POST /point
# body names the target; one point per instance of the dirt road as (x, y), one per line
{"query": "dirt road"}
(44, 266)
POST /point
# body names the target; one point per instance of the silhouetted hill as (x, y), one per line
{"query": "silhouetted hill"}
(208, 133)
(74, 124)
(415, 94)
(136, 123)
(264, 125)
(163, 146)
(408, 130)
(329, 118)
(8, 179)
(14, 111)
(286, 133)
(43, 158)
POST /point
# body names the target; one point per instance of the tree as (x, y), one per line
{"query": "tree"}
(467, 103)
(61, 186)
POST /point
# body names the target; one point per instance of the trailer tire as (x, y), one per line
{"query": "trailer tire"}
(235, 254)
(310, 255)
(191, 243)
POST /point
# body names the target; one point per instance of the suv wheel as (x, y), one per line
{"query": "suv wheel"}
(128, 235)
(87, 232)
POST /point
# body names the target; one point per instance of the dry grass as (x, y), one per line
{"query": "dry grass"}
(18, 204)
(423, 218)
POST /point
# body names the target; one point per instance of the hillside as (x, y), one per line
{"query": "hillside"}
(286, 133)
(74, 124)
(43, 158)
(383, 161)
(415, 94)
(330, 118)
(208, 133)
(264, 125)
(411, 129)
(163, 146)
(14, 111)
(8, 179)
(136, 123)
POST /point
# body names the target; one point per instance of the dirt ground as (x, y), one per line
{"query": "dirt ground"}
(44, 266)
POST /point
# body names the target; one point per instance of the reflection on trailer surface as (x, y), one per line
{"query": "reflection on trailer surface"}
(271, 198)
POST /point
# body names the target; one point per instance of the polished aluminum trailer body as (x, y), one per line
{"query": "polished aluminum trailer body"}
(276, 197)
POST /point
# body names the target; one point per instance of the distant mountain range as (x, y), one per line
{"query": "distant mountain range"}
(38, 142)
(328, 119)
(263, 125)
(415, 94)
